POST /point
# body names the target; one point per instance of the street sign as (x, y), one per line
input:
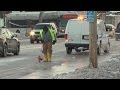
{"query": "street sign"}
(90, 16)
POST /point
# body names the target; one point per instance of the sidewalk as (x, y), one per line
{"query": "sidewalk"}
(106, 70)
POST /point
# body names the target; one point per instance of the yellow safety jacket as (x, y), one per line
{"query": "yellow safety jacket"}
(53, 35)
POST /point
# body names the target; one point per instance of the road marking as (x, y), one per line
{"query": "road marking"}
(29, 47)
(6, 60)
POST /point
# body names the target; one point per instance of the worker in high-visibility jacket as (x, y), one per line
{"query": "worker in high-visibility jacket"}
(48, 38)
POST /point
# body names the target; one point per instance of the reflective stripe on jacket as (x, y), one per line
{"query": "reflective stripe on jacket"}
(53, 35)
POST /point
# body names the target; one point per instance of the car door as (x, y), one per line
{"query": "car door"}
(12, 41)
(7, 39)
(5, 36)
(4, 33)
(84, 32)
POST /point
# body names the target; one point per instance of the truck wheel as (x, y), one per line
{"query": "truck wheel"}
(116, 37)
(31, 41)
(68, 50)
(17, 50)
(77, 50)
(107, 48)
(4, 54)
(98, 50)
(37, 41)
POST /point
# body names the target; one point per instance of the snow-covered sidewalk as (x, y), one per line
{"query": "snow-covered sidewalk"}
(106, 70)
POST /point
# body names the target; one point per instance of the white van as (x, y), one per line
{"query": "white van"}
(77, 36)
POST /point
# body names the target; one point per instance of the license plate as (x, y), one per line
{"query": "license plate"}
(86, 37)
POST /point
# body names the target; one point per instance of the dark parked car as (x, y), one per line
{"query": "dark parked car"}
(35, 33)
(117, 32)
(9, 43)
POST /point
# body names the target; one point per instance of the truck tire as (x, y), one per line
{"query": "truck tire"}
(77, 50)
(99, 48)
(116, 37)
(4, 54)
(17, 50)
(98, 51)
(37, 41)
(68, 50)
(107, 48)
(31, 41)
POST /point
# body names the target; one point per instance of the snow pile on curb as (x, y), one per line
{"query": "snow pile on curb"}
(106, 70)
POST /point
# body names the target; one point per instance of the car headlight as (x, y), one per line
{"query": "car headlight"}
(63, 30)
(32, 33)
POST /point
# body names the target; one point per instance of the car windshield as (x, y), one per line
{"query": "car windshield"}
(38, 27)
(118, 26)
(108, 28)
(63, 23)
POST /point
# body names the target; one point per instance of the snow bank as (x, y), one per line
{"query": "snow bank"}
(105, 70)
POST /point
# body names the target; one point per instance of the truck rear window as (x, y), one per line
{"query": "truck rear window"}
(40, 26)
(118, 27)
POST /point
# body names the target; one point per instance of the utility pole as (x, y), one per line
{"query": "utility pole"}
(93, 42)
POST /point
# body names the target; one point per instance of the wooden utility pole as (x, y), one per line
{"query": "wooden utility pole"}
(93, 42)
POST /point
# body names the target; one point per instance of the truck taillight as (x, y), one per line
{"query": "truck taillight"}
(66, 36)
